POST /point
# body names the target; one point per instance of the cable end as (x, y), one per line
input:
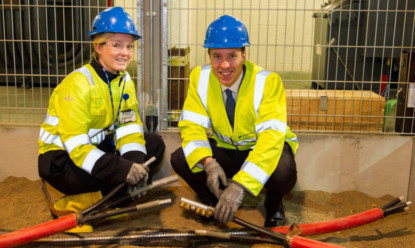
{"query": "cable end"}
(214, 234)
(164, 201)
(201, 232)
(151, 160)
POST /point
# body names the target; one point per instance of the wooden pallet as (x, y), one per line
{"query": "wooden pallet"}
(335, 110)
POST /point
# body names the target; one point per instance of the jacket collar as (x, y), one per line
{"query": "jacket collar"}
(235, 87)
(98, 69)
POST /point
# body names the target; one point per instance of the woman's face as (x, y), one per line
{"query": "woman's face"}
(116, 53)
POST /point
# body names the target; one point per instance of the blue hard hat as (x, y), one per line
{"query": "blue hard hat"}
(226, 32)
(113, 20)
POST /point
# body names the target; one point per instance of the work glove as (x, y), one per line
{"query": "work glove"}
(215, 173)
(138, 186)
(137, 173)
(228, 203)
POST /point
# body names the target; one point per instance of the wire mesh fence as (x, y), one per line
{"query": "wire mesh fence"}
(41, 42)
(348, 66)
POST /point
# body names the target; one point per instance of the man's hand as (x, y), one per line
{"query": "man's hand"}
(214, 173)
(228, 203)
(137, 173)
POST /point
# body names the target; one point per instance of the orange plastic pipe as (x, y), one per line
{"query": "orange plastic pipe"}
(300, 242)
(26, 235)
(336, 224)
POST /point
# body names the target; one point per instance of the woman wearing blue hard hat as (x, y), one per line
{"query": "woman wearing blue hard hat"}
(253, 146)
(92, 138)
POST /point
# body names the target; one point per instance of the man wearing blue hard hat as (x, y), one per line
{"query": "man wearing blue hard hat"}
(92, 139)
(245, 108)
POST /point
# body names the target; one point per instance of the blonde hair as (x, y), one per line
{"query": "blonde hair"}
(99, 39)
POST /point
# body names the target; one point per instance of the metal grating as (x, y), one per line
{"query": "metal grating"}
(348, 66)
(41, 42)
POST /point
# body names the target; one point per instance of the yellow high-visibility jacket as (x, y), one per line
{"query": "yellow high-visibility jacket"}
(260, 123)
(80, 114)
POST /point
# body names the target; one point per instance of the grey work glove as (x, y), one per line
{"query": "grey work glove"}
(228, 203)
(215, 173)
(138, 186)
(137, 173)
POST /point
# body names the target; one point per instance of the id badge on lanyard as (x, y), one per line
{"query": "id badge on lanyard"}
(127, 116)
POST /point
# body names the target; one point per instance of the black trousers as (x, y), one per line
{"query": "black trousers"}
(70, 179)
(280, 182)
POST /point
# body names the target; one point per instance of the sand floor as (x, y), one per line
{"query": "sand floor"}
(22, 204)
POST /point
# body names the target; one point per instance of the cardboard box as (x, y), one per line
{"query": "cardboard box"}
(178, 74)
(335, 110)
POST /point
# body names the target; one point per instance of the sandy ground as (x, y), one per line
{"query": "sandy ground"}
(22, 204)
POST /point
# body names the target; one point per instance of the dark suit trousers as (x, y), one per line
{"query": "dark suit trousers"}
(280, 182)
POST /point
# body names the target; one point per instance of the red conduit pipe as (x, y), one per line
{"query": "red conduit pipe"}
(29, 234)
(300, 242)
(293, 241)
(336, 224)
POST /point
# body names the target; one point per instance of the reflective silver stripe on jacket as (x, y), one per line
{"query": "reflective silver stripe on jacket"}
(128, 129)
(271, 124)
(52, 120)
(202, 87)
(94, 131)
(260, 79)
(91, 159)
(127, 77)
(132, 147)
(223, 137)
(84, 70)
(195, 118)
(193, 145)
(244, 142)
(97, 135)
(256, 172)
(72, 143)
(293, 139)
(48, 138)
(237, 143)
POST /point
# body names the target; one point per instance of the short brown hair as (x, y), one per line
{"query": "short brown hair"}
(242, 50)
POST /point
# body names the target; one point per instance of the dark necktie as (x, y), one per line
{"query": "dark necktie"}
(230, 106)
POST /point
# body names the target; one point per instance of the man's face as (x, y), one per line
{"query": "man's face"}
(227, 64)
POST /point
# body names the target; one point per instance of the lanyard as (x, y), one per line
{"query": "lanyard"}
(112, 101)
